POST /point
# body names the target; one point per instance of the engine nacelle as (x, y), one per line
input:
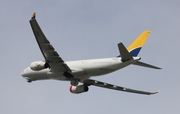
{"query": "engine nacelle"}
(38, 65)
(78, 89)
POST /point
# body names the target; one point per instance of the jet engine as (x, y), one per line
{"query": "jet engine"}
(78, 89)
(39, 65)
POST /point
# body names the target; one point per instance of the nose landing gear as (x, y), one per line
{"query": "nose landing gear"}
(29, 81)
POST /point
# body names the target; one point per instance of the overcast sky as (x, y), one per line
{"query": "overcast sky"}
(82, 29)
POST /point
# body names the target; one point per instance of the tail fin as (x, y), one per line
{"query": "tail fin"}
(136, 46)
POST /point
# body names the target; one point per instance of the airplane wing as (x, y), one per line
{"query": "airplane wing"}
(51, 56)
(89, 82)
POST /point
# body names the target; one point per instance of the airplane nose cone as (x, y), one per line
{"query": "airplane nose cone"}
(22, 73)
(25, 75)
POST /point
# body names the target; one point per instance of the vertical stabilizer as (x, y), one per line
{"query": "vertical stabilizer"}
(136, 46)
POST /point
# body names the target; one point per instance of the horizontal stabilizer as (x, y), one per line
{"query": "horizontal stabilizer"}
(125, 55)
(145, 65)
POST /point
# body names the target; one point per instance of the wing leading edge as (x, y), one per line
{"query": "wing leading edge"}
(51, 56)
(89, 82)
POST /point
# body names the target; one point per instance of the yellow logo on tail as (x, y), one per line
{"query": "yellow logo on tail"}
(136, 46)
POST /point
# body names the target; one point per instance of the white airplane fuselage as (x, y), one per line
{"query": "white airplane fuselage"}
(81, 69)
(54, 67)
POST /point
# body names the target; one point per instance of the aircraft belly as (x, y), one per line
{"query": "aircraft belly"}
(56, 75)
(79, 73)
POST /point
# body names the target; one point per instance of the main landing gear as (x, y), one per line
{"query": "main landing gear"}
(75, 82)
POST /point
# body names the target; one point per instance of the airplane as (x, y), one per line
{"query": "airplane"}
(80, 71)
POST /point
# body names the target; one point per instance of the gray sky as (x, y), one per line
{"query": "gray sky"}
(85, 30)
